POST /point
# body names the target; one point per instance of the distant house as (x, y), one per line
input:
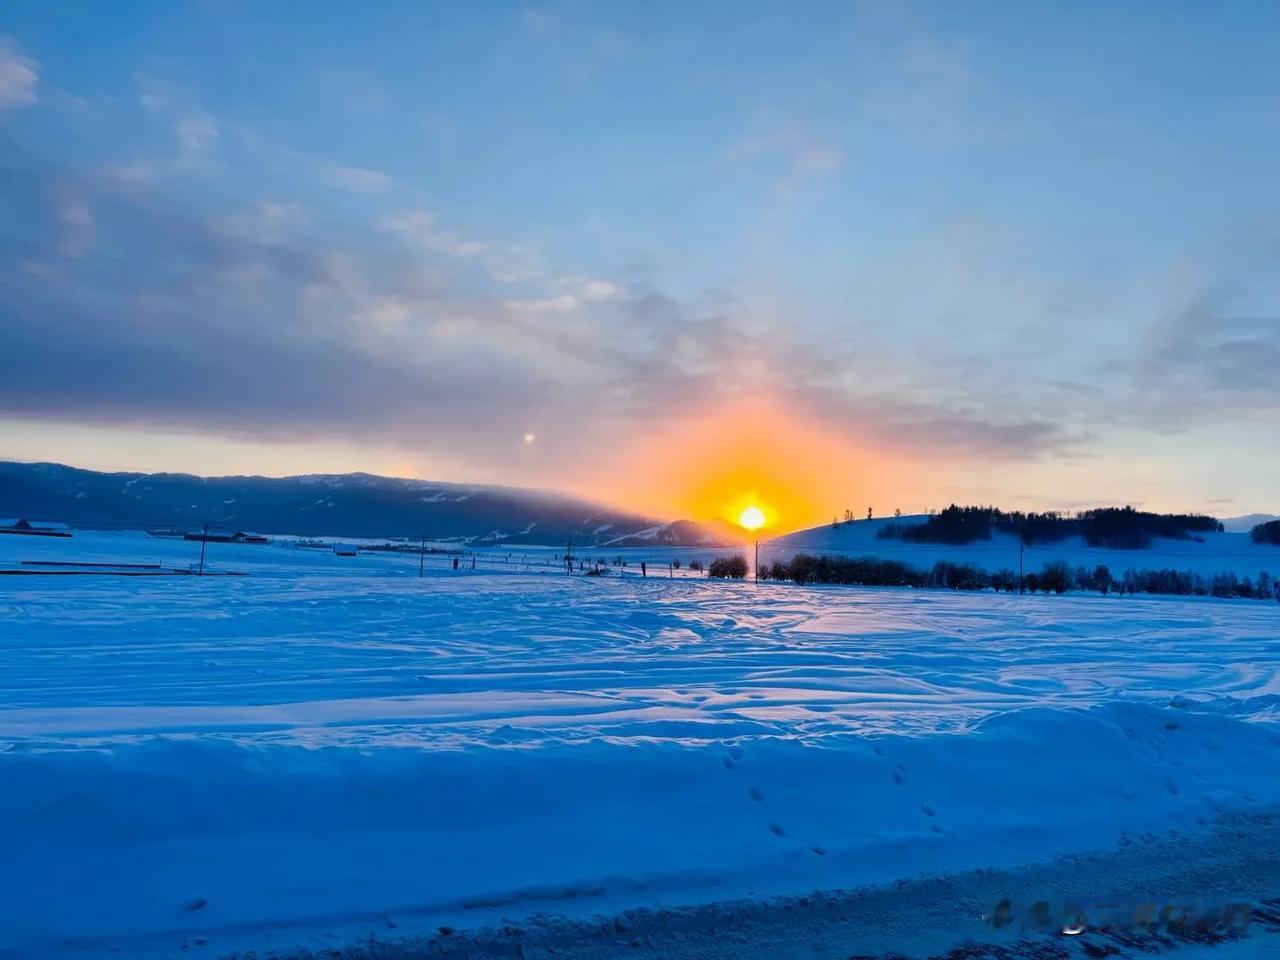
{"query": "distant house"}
(35, 528)
(222, 536)
(346, 550)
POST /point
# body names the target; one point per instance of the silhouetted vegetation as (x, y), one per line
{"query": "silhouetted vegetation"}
(732, 568)
(1113, 527)
(1267, 533)
(1054, 577)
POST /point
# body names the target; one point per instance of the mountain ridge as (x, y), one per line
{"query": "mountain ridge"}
(342, 504)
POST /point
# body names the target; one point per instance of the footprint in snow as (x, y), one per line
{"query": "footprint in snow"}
(777, 830)
(736, 753)
(927, 810)
(755, 794)
(898, 778)
(1172, 786)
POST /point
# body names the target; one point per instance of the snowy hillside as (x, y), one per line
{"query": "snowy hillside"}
(1218, 553)
(356, 504)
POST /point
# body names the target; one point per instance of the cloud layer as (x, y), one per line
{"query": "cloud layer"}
(416, 274)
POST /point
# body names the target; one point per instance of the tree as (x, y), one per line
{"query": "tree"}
(1005, 580)
(731, 568)
(1055, 576)
(868, 513)
(1102, 579)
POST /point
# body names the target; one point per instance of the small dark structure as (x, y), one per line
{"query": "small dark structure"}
(346, 550)
(220, 536)
(35, 528)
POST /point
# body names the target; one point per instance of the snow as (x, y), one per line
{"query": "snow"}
(327, 742)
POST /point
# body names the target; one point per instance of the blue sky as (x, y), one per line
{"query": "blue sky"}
(1024, 253)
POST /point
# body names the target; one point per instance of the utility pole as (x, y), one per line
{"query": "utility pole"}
(1022, 580)
(757, 560)
(204, 542)
(422, 556)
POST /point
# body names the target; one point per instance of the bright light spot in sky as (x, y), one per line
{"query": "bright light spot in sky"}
(529, 438)
(752, 518)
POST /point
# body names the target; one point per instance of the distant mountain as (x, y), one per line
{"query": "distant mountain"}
(1247, 522)
(344, 505)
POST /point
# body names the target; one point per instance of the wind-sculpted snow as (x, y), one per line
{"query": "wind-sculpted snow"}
(329, 752)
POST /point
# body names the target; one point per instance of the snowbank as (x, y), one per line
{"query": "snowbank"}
(118, 842)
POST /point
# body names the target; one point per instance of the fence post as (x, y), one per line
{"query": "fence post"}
(422, 556)
(204, 542)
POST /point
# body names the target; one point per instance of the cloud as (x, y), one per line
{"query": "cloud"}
(354, 179)
(420, 227)
(19, 76)
(247, 326)
(196, 134)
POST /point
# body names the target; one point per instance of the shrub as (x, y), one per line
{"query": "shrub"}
(731, 568)
(695, 565)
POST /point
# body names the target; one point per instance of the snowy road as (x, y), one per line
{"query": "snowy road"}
(207, 759)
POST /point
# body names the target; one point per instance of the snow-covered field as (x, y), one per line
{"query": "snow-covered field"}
(329, 748)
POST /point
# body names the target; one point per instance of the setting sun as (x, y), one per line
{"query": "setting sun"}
(752, 518)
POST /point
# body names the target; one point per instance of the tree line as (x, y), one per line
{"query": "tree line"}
(1056, 577)
(1122, 528)
(1267, 533)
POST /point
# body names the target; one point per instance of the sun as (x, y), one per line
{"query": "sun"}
(752, 518)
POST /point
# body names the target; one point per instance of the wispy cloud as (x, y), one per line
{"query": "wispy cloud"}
(354, 179)
(19, 76)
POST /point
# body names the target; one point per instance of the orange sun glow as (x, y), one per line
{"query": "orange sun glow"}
(760, 457)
